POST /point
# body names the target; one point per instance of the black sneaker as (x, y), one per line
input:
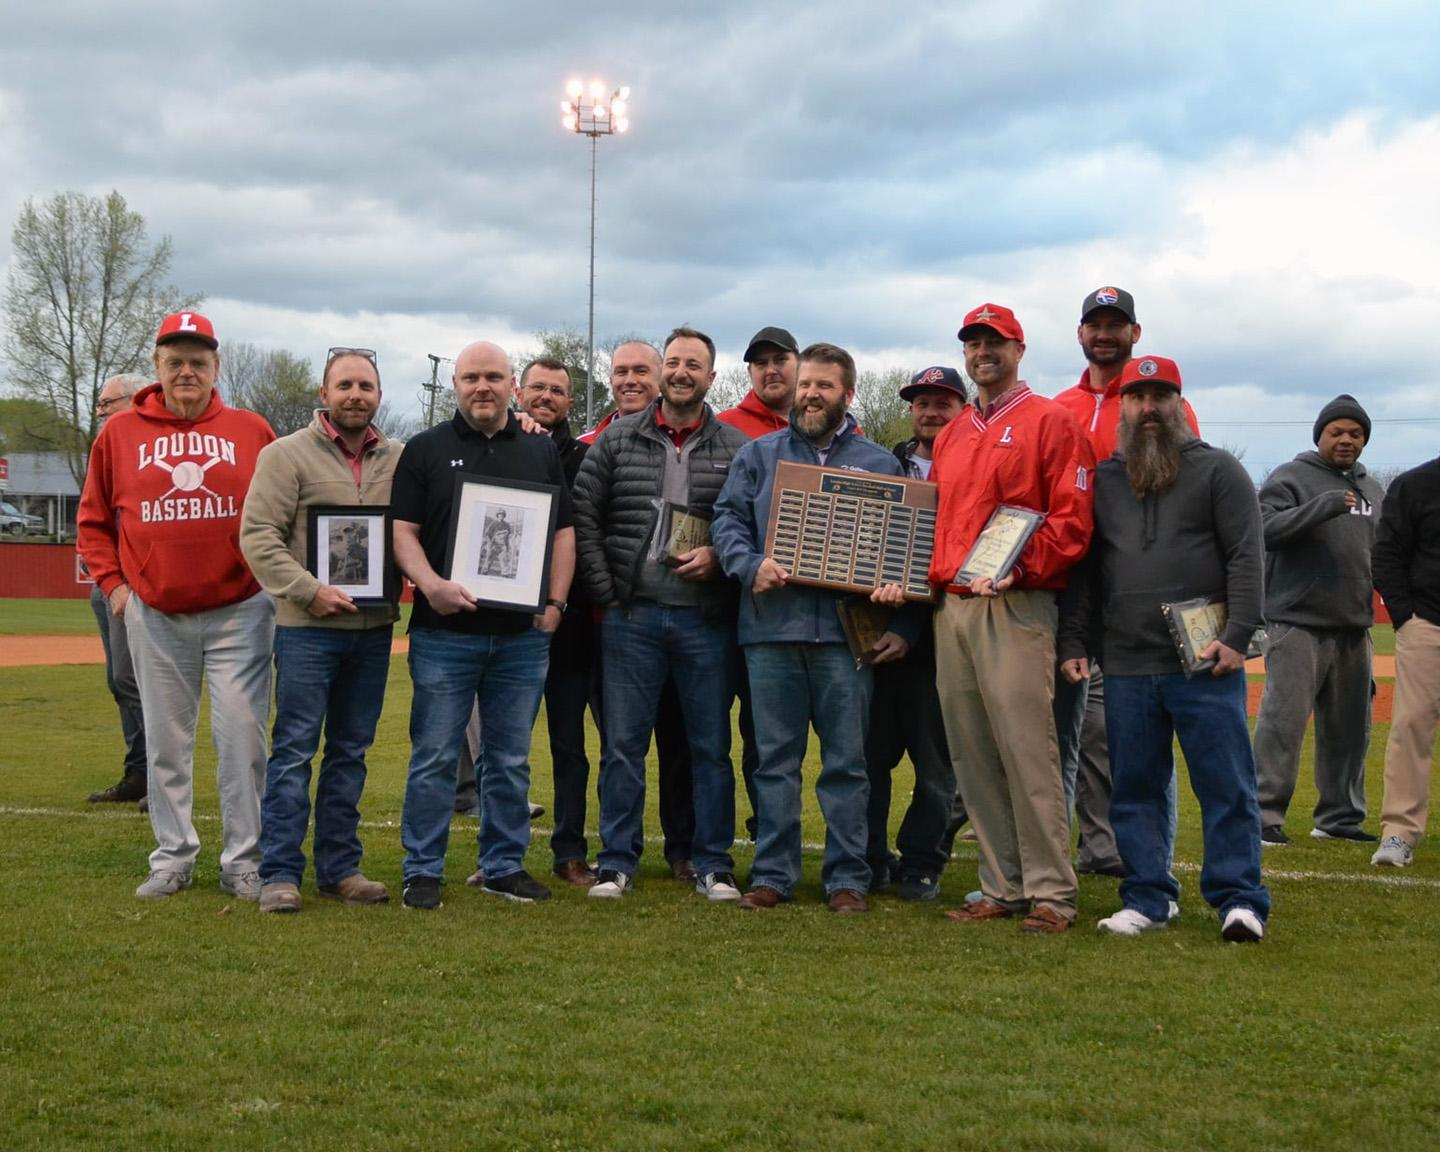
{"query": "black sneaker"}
(1357, 834)
(422, 893)
(1273, 835)
(518, 886)
(919, 888)
(883, 874)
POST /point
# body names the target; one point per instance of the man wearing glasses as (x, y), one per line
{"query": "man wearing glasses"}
(115, 397)
(159, 529)
(459, 648)
(332, 657)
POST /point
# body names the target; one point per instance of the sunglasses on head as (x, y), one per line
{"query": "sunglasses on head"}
(368, 353)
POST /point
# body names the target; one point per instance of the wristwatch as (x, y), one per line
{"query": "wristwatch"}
(560, 604)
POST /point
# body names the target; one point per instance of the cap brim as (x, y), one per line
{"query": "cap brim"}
(198, 337)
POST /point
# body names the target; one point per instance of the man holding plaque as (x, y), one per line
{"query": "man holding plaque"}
(332, 658)
(801, 668)
(460, 649)
(905, 715)
(668, 611)
(1014, 518)
(634, 385)
(1173, 588)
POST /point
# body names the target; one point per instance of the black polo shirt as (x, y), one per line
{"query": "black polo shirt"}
(423, 493)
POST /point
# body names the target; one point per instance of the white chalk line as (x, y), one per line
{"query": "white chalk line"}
(1378, 879)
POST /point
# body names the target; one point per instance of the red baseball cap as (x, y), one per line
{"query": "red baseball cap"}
(186, 326)
(1150, 370)
(995, 317)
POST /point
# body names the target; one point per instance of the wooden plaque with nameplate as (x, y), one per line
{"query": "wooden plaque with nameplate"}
(852, 531)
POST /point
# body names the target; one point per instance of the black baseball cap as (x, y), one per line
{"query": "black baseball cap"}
(771, 335)
(935, 379)
(1116, 298)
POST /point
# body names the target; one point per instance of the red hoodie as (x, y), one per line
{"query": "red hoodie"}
(1099, 413)
(162, 503)
(752, 418)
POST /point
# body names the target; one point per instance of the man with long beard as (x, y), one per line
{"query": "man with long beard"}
(1107, 335)
(800, 666)
(1175, 519)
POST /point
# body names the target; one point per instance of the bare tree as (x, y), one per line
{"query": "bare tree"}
(729, 388)
(878, 407)
(277, 384)
(85, 295)
(396, 426)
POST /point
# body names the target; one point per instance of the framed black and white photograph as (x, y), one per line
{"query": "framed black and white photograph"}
(500, 541)
(348, 547)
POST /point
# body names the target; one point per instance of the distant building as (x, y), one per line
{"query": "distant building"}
(40, 484)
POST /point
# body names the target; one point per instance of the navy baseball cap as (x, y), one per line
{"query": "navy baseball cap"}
(934, 379)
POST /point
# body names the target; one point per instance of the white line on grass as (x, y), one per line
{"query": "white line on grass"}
(1383, 880)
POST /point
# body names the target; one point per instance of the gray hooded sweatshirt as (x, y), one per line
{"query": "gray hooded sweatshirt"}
(1317, 562)
(1199, 537)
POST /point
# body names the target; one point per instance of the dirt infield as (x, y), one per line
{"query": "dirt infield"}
(26, 651)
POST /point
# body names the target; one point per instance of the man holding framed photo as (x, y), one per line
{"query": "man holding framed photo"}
(477, 634)
(332, 654)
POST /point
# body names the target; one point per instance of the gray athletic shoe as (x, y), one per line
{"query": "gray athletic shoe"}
(158, 885)
(241, 885)
(1394, 852)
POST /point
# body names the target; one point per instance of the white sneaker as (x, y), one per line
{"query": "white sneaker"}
(717, 886)
(611, 885)
(1173, 911)
(1242, 926)
(1129, 922)
(1394, 852)
(161, 884)
(241, 885)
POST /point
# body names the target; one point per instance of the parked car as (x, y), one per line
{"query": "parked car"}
(13, 522)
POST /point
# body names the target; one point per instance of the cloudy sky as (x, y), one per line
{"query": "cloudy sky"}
(1263, 177)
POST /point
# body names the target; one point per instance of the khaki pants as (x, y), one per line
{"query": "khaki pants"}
(995, 673)
(1412, 730)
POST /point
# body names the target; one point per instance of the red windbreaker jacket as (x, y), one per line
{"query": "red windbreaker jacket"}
(1026, 451)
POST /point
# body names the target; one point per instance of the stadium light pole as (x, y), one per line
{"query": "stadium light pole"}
(587, 113)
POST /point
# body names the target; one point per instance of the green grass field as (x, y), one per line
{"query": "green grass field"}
(663, 1022)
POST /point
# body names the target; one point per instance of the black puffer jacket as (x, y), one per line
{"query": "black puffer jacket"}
(614, 516)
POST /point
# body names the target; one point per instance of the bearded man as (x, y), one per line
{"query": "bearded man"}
(1175, 519)
(800, 667)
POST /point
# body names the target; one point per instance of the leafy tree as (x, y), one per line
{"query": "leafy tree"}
(30, 426)
(85, 294)
(277, 384)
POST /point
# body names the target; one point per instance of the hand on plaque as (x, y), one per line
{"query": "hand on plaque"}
(447, 598)
(330, 601)
(888, 648)
(769, 576)
(891, 595)
(698, 564)
(1227, 660)
(984, 586)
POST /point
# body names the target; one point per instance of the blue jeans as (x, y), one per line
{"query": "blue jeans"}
(335, 678)
(793, 686)
(450, 670)
(642, 644)
(1144, 714)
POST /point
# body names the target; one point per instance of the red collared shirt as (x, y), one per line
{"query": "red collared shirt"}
(678, 436)
(371, 439)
